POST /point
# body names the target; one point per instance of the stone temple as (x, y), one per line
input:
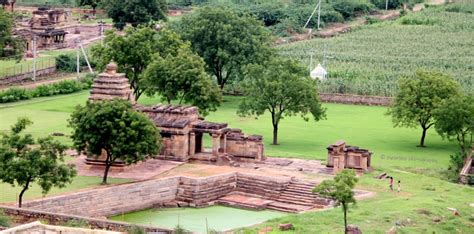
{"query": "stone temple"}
(342, 156)
(184, 132)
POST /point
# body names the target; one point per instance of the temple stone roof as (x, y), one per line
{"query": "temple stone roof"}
(111, 84)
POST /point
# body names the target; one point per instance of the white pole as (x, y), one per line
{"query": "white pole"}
(386, 5)
(87, 60)
(34, 58)
(310, 62)
(319, 13)
(78, 67)
(311, 16)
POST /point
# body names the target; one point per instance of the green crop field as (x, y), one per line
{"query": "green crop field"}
(370, 59)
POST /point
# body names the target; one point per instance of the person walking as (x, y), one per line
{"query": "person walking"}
(399, 186)
(391, 183)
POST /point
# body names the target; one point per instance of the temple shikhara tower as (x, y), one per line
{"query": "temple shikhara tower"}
(185, 134)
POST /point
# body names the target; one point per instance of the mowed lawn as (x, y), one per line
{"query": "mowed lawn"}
(423, 196)
(363, 126)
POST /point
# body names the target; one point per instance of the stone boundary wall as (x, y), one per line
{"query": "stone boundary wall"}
(203, 191)
(356, 99)
(262, 186)
(21, 215)
(111, 200)
(194, 192)
(15, 79)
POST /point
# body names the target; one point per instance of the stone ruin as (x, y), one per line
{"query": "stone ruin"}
(43, 26)
(342, 156)
(182, 129)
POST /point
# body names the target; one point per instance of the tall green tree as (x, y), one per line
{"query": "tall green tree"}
(226, 41)
(134, 51)
(9, 45)
(91, 3)
(340, 190)
(182, 77)
(283, 88)
(24, 161)
(115, 127)
(417, 98)
(455, 120)
(134, 12)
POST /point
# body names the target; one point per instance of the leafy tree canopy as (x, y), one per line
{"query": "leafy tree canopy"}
(455, 119)
(283, 88)
(226, 41)
(24, 161)
(418, 97)
(115, 127)
(134, 51)
(181, 76)
(91, 3)
(9, 46)
(134, 12)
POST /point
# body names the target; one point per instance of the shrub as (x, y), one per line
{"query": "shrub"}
(62, 87)
(136, 230)
(14, 94)
(4, 220)
(417, 19)
(351, 8)
(68, 62)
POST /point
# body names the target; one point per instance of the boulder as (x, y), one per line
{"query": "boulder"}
(352, 229)
(286, 226)
(265, 230)
(436, 219)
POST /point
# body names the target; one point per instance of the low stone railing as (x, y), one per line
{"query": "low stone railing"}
(21, 215)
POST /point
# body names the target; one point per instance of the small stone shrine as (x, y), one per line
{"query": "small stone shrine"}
(184, 132)
(466, 176)
(342, 156)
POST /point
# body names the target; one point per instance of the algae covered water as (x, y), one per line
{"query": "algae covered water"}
(219, 218)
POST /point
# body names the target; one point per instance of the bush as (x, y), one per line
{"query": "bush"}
(14, 94)
(456, 162)
(62, 87)
(417, 19)
(4, 220)
(351, 8)
(68, 62)
(460, 7)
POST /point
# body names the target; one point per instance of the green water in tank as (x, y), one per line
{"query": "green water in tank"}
(219, 218)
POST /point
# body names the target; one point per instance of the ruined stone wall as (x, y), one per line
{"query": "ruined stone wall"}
(202, 191)
(262, 186)
(111, 200)
(356, 99)
(244, 147)
(20, 78)
(21, 216)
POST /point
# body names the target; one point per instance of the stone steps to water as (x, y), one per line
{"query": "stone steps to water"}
(285, 207)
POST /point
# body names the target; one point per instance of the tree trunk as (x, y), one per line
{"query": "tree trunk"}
(20, 198)
(345, 217)
(93, 11)
(108, 164)
(275, 134)
(423, 135)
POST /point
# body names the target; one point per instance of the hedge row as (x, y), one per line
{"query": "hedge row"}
(62, 87)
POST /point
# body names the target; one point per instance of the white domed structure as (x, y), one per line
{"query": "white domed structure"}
(319, 73)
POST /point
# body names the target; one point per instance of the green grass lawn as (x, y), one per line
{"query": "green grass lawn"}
(363, 126)
(394, 150)
(10, 194)
(422, 199)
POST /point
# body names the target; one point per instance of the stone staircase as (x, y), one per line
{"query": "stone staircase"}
(298, 197)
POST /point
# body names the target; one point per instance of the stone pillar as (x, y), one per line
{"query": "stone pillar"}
(223, 143)
(215, 144)
(192, 143)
